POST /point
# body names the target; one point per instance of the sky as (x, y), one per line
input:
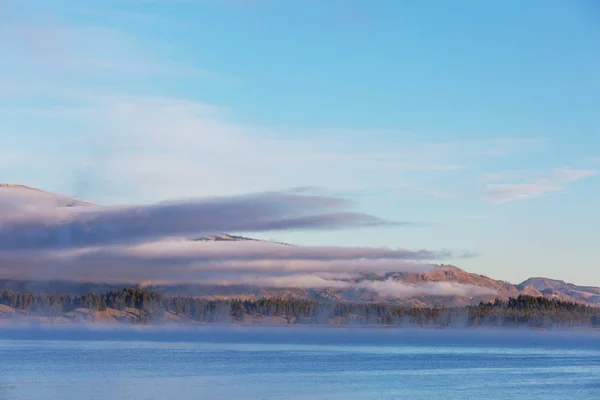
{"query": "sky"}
(473, 125)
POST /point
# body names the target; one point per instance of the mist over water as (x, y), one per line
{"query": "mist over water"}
(302, 335)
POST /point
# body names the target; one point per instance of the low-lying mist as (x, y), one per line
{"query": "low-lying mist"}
(138, 306)
(301, 335)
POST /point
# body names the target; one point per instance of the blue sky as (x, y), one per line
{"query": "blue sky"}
(476, 121)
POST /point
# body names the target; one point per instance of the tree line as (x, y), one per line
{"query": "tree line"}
(151, 306)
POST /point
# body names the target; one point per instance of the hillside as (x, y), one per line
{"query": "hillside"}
(443, 273)
(560, 289)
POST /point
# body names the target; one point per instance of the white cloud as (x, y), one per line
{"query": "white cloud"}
(255, 264)
(131, 147)
(506, 146)
(161, 145)
(118, 264)
(395, 288)
(555, 182)
(390, 288)
(39, 47)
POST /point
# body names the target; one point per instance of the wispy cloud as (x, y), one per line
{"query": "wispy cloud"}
(474, 217)
(143, 146)
(252, 263)
(38, 223)
(389, 288)
(394, 288)
(167, 145)
(70, 50)
(555, 182)
(51, 237)
(505, 146)
(209, 263)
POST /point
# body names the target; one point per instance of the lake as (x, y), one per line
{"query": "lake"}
(295, 363)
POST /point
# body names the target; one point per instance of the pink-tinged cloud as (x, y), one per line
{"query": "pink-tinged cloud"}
(389, 288)
(29, 220)
(395, 288)
(198, 262)
(50, 237)
(556, 182)
(258, 250)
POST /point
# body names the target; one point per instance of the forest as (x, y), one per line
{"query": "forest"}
(524, 310)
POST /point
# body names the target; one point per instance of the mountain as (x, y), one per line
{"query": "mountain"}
(23, 196)
(559, 289)
(441, 273)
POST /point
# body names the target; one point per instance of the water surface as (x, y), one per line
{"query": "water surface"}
(225, 363)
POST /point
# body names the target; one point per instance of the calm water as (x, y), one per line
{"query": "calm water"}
(293, 363)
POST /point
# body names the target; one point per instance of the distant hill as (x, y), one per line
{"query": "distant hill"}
(560, 289)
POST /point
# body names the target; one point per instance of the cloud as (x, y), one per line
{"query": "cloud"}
(183, 261)
(44, 44)
(389, 288)
(143, 146)
(163, 144)
(82, 83)
(505, 146)
(555, 182)
(394, 288)
(113, 265)
(32, 224)
(44, 236)
(509, 192)
(300, 281)
(256, 264)
(146, 146)
(256, 250)
(567, 175)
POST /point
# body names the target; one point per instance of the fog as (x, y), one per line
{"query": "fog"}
(302, 335)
